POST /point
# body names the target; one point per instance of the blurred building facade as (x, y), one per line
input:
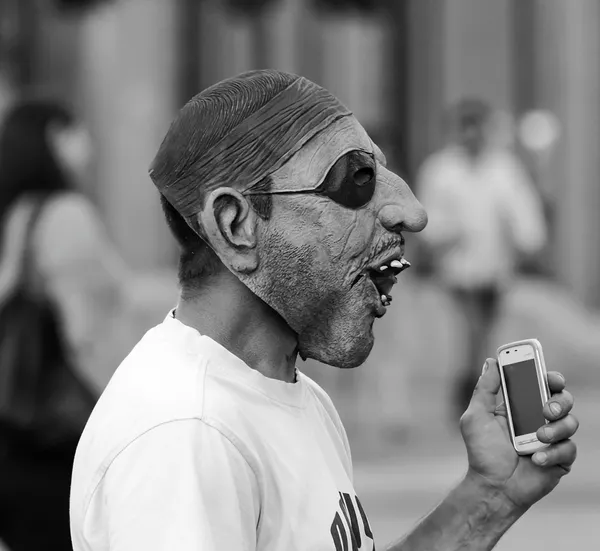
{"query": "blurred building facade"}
(129, 64)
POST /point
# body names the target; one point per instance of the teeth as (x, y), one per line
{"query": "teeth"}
(401, 264)
(386, 300)
(383, 268)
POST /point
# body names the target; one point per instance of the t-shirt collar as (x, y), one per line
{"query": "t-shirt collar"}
(226, 364)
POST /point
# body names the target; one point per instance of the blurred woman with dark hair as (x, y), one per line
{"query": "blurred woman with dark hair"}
(60, 282)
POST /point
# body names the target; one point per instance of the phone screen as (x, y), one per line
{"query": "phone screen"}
(524, 397)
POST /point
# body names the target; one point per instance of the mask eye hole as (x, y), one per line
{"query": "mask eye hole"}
(363, 176)
(351, 181)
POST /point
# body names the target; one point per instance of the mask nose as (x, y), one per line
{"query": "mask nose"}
(401, 210)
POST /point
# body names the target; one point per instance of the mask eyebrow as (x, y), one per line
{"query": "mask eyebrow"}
(361, 155)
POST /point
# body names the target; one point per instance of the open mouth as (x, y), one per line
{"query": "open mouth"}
(384, 276)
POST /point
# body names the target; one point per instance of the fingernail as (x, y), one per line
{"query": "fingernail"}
(548, 433)
(555, 408)
(484, 368)
(540, 458)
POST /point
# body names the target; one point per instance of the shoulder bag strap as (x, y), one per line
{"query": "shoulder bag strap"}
(17, 244)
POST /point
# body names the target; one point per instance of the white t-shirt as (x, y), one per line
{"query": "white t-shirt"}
(190, 449)
(481, 215)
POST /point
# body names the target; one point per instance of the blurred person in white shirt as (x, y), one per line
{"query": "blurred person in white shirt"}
(484, 217)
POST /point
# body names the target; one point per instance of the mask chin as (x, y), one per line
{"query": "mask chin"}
(329, 318)
(343, 351)
(326, 334)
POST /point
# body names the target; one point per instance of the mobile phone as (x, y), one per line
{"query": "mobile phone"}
(525, 388)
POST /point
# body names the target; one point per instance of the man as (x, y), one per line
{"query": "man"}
(207, 436)
(485, 217)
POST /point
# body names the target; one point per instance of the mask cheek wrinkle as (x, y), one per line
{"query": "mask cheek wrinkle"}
(352, 244)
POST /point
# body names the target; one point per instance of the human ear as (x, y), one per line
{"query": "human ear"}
(229, 226)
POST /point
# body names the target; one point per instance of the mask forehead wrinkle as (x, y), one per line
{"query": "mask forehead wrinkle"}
(309, 166)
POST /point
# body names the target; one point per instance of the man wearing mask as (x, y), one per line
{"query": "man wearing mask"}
(208, 437)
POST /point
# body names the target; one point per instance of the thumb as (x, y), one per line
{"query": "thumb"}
(487, 387)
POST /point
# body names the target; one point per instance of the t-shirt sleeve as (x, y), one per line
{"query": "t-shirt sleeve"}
(182, 485)
(71, 239)
(84, 274)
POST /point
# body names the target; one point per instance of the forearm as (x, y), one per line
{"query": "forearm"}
(473, 517)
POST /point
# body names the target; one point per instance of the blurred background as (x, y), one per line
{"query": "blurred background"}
(411, 70)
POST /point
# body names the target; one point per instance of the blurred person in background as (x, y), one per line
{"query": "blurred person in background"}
(6, 95)
(60, 284)
(484, 217)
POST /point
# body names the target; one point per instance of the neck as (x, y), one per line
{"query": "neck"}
(230, 314)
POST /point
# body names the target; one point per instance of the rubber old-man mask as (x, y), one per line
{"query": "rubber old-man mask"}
(326, 256)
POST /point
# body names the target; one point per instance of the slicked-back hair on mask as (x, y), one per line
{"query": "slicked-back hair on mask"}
(204, 121)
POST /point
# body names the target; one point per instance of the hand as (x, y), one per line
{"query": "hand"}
(492, 457)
